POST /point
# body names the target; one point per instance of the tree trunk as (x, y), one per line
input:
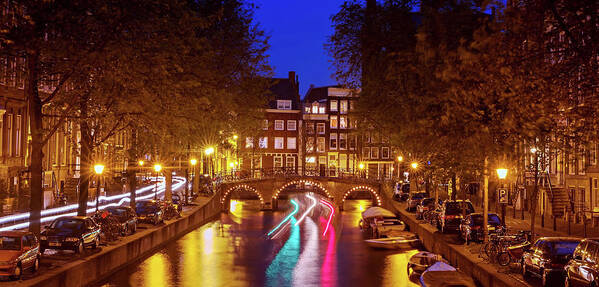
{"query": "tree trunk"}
(486, 200)
(132, 170)
(35, 117)
(85, 166)
(168, 185)
(534, 198)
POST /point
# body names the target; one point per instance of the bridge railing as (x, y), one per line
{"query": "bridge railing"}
(261, 173)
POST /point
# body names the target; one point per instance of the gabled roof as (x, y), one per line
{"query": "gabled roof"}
(318, 93)
(284, 89)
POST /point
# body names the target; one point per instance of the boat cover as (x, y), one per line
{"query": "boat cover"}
(442, 274)
(377, 212)
(441, 266)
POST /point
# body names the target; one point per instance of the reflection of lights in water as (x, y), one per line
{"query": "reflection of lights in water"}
(280, 270)
(192, 263)
(156, 270)
(236, 209)
(307, 269)
(233, 206)
(290, 216)
(395, 266)
(328, 273)
(314, 202)
(361, 208)
(208, 242)
(331, 213)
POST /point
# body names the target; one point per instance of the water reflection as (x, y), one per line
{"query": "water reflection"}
(227, 252)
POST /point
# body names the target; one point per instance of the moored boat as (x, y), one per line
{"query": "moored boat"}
(421, 261)
(442, 274)
(402, 240)
(380, 222)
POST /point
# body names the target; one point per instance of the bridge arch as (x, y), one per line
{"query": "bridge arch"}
(375, 196)
(301, 181)
(226, 194)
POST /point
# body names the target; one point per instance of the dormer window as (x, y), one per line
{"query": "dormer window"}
(283, 104)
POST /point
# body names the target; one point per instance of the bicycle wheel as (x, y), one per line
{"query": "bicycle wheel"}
(491, 250)
(483, 251)
(504, 258)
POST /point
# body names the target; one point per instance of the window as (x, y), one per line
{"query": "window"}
(21, 73)
(3, 69)
(366, 153)
(291, 143)
(265, 125)
(307, 109)
(320, 128)
(291, 125)
(334, 122)
(249, 142)
(310, 144)
(593, 154)
(333, 106)
(385, 152)
(278, 161)
(352, 142)
(320, 144)
(321, 110)
(18, 135)
(263, 142)
(9, 134)
(283, 104)
(342, 122)
(343, 161)
(290, 162)
(352, 105)
(310, 128)
(343, 107)
(342, 141)
(279, 125)
(333, 143)
(279, 142)
(595, 194)
(1, 135)
(374, 152)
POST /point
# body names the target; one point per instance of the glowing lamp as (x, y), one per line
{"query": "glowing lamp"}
(99, 168)
(533, 150)
(232, 164)
(361, 166)
(414, 165)
(502, 173)
(400, 158)
(193, 161)
(141, 163)
(235, 137)
(157, 167)
(209, 150)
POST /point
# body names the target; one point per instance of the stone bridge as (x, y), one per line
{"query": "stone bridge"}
(269, 190)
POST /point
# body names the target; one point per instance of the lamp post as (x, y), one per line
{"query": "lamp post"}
(399, 166)
(414, 166)
(98, 168)
(157, 169)
(502, 174)
(209, 151)
(361, 167)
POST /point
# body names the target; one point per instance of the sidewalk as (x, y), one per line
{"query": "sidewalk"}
(562, 229)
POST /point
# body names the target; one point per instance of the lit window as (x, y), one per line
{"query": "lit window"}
(342, 141)
(263, 142)
(320, 128)
(265, 125)
(307, 109)
(291, 143)
(321, 110)
(283, 105)
(279, 125)
(366, 153)
(249, 142)
(333, 106)
(342, 122)
(279, 142)
(310, 144)
(374, 153)
(291, 125)
(333, 143)
(278, 161)
(290, 162)
(310, 128)
(320, 144)
(333, 122)
(311, 159)
(315, 108)
(385, 152)
(343, 107)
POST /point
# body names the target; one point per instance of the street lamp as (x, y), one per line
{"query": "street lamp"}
(209, 151)
(501, 174)
(400, 158)
(141, 163)
(414, 165)
(193, 161)
(98, 168)
(157, 169)
(235, 137)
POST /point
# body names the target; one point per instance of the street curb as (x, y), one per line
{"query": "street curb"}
(97, 267)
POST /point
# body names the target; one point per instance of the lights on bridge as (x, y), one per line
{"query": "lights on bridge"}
(364, 187)
(241, 186)
(276, 195)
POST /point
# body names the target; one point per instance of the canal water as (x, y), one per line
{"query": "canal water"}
(235, 251)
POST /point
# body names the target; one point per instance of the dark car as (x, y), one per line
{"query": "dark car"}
(149, 211)
(547, 257)
(583, 268)
(451, 213)
(70, 233)
(19, 250)
(415, 199)
(126, 217)
(424, 206)
(471, 228)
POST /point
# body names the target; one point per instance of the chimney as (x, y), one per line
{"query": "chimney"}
(292, 76)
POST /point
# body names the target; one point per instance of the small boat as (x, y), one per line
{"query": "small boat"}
(403, 240)
(380, 222)
(421, 261)
(442, 274)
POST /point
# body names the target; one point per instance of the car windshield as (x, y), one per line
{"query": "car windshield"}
(493, 219)
(146, 208)
(117, 211)
(454, 208)
(70, 224)
(10, 243)
(561, 248)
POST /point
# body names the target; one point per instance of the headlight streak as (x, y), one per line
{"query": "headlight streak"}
(295, 209)
(330, 206)
(307, 210)
(124, 198)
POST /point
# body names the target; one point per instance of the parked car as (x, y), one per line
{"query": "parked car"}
(424, 205)
(451, 213)
(149, 211)
(547, 257)
(126, 217)
(70, 233)
(471, 228)
(415, 199)
(19, 251)
(582, 269)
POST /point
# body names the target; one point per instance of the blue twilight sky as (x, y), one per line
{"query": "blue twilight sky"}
(298, 30)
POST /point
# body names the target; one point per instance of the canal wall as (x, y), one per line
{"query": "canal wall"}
(485, 274)
(94, 268)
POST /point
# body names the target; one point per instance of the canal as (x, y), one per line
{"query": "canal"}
(235, 251)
